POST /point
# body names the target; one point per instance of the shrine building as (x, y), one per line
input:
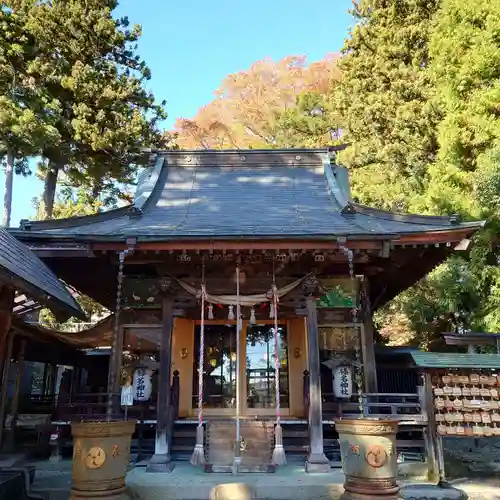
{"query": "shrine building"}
(257, 270)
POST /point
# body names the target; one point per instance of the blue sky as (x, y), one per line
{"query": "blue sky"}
(191, 45)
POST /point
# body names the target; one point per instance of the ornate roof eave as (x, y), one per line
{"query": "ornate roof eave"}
(369, 240)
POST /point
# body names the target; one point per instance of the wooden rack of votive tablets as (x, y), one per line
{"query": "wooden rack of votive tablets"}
(467, 403)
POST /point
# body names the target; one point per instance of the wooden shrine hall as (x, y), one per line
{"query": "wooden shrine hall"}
(242, 285)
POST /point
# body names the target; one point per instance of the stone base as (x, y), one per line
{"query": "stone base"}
(231, 491)
(365, 488)
(317, 463)
(242, 469)
(347, 495)
(120, 494)
(160, 463)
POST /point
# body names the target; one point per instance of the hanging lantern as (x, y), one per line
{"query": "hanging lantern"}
(252, 320)
(142, 383)
(210, 311)
(272, 312)
(230, 314)
(342, 381)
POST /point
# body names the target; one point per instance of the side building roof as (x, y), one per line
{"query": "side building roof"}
(22, 269)
(244, 194)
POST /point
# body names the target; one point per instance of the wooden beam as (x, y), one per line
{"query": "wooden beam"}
(430, 432)
(11, 436)
(316, 461)
(161, 460)
(5, 382)
(367, 340)
(208, 245)
(453, 235)
(7, 295)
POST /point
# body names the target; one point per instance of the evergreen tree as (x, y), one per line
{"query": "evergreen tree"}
(465, 67)
(311, 123)
(27, 120)
(86, 61)
(383, 100)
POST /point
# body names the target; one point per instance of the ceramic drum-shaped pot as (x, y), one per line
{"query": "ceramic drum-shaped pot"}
(101, 454)
(369, 461)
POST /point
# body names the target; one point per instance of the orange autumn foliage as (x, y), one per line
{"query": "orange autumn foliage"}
(248, 104)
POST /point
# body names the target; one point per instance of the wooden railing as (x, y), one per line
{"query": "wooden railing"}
(400, 406)
(381, 405)
(85, 406)
(36, 404)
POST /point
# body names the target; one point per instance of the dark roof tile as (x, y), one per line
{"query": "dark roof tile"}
(27, 273)
(217, 194)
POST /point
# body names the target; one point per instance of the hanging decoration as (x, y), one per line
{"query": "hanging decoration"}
(252, 320)
(142, 383)
(116, 331)
(279, 457)
(342, 381)
(198, 456)
(237, 446)
(272, 310)
(210, 311)
(359, 374)
(230, 314)
(244, 300)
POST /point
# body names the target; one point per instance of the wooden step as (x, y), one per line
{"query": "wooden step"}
(295, 434)
(184, 434)
(257, 445)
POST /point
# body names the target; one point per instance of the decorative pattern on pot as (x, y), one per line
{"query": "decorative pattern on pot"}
(101, 453)
(95, 458)
(369, 461)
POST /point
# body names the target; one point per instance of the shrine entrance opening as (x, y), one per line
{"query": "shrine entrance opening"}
(254, 371)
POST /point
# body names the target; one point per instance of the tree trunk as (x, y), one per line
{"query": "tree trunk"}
(49, 189)
(7, 197)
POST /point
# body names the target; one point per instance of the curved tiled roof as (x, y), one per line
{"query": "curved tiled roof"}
(242, 194)
(22, 269)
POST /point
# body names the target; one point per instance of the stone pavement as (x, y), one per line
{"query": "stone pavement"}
(53, 481)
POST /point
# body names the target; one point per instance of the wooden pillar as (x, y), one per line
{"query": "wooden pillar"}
(5, 383)
(161, 460)
(119, 360)
(430, 432)
(6, 304)
(317, 461)
(10, 441)
(367, 340)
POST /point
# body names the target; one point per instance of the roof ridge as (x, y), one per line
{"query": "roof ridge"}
(80, 220)
(378, 213)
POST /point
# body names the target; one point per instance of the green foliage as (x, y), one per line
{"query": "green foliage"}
(86, 76)
(382, 100)
(71, 203)
(464, 71)
(311, 123)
